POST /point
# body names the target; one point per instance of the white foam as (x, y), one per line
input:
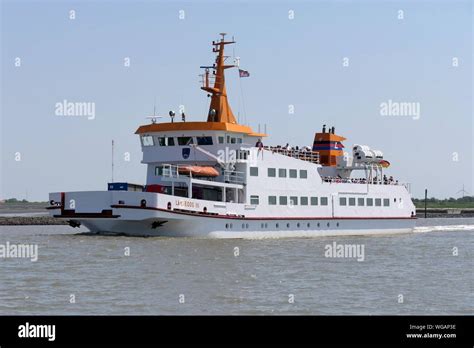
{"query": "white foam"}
(425, 229)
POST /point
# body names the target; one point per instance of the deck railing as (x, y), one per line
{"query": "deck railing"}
(304, 155)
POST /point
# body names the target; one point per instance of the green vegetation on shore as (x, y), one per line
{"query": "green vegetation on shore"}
(464, 202)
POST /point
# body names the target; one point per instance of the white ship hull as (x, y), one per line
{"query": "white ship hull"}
(170, 216)
(205, 227)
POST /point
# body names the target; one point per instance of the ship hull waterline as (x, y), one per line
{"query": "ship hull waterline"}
(171, 224)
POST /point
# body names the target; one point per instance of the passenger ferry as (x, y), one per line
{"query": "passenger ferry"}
(217, 179)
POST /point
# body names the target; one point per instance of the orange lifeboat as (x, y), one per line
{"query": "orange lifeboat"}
(199, 171)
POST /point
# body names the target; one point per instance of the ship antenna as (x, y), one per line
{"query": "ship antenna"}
(219, 108)
(112, 160)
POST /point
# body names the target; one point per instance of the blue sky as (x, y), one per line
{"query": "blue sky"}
(291, 61)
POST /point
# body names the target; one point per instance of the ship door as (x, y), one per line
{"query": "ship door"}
(333, 200)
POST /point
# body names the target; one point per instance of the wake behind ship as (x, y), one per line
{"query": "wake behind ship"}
(217, 179)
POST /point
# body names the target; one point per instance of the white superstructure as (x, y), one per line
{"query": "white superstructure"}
(216, 179)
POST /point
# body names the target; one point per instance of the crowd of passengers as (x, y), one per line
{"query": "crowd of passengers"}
(287, 147)
(385, 181)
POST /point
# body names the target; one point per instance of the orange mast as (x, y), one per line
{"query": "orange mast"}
(219, 109)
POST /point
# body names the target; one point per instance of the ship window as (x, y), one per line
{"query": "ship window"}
(378, 202)
(184, 141)
(294, 200)
(282, 173)
(166, 141)
(293, 173)
(239, 140)
(324, 201)
(232, 140)
(272, 200)
(303, 174)
(228, 139)
(370, 202)
(283, 200)
(271, 172)
(220, 140)
(386, 202)
(342, 201)
(304, 200)
(158, 170)
(360, 202)
(352, 201)
(147, 140)
(254, 200)
(314, 200)
(204, 140)
(253, 171)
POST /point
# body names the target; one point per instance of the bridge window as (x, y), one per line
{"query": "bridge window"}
(342, 201)
(314, 200)
(294, 200)
(165, 141)
(272, 200)
(370, 202)
(360, 202)
(283, 200)
(254, 200)
(204, 140)
(253, 171)
(271, 172)
(303, 174)
(293, 173)
(352, 201)
(304, 200)
(220, 140)
(282, 173)
(147, 140)
(324, 201)
(158, 170)
(184, 141)
(386, 202)
(378, 202)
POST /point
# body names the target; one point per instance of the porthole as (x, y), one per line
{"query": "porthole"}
(262, 225)
(243, 225)
(266, 225)
(298, 225)
(288, 225)
(226, 225)
(319, 224)
(394, 199)
(337, 224)
(246, 225)
(277, 225)
(230, 225)
(308, 225)
(328, 224)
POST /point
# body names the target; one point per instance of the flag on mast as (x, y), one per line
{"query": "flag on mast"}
(243, 73)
